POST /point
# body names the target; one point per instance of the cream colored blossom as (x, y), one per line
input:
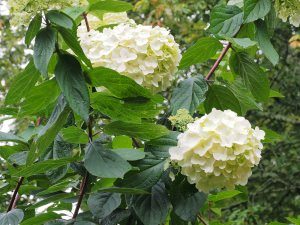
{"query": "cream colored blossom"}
(218, 150)
(149, 55)
(181, 119)
(23, 10)
(288, 10)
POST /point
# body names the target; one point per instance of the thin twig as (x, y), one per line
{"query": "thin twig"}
(81, 194)
(86, 22)
(14, 200)
(216, 64)
(202, 220)
(135, 143)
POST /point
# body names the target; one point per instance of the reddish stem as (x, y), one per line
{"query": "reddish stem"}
(216, 64)
(14, 199)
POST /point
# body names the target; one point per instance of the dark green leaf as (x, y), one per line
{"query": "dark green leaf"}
(189, 94)
(13, 217)
(74, 135)
(202, 50)
(226, 20)
(41, 219)
(42, 167)
(264, 42)
(104, 163)
(60, 19)
(72, 42)
(255, 9)
(119, 85)
(116, 217)
(55, 188)
(43, 49)
(11, 138)
(74, 12)
(110, 6)
(22, 84)
(144, 131)
(51, 199)
(253, 76)
(69, 77)
(33, 28)
(222, 98)
(18, 158)
(103, 204)
(153, 209)
(123, 190)
(130, 154)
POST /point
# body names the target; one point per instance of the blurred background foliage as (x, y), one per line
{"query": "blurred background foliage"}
(274, 188)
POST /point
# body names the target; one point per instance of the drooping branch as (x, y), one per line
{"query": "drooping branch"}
(216, 64)
(14, 198)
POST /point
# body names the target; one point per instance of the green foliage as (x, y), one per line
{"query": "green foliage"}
(13, 217)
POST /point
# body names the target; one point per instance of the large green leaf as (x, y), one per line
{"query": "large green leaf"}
(33, 28)
(102, 162)
(119, 85)
(264, 42)
(43, 49)
(102, 204)
(22, 84)
(144, 131)
(133, 191)
(8, 137)
(110, 6)
(41, 219)
(119, 109)
(189, 94)
(47, 134)
(202, 50)
(253, 76)
(152, 209)
(13, 217)
(39, 99)
(129, 154)
(71, 40)
(255, 9)
(74, 135)
(226, 20)
(69, 77)
(150, 171)
(41, 167)
(60, 19)
(116, 217)
(222, 98)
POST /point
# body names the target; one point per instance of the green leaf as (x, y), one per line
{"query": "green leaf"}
(110, 6)
(130, 154)
(22, 84)
(133, 191)
(103, 204)
(69, 77)
(144, 131)
(102, 162)
(296, 221)
(13, 217)
(51, 199)
(41, 219)
(252, 75)
(71, 40)
(11, 138)
(150, 171)
(56, 187)
(43, 49)
(39, 99)
(60, 19)
(18, 158)
(119, 109)
(189, 94)
(33, 29)
(41, 167)
(222, 98)
(47, 134)
(275, 94)
(122, 142)
(242, 43)
(160, 147)
(74, 12)
(119, 85)
(116, 217)
(74, 135)
(226, 20)
(264, 42)
(223, 195)
(255, 9)
(201, 51)
(153, 209)
(272, 136)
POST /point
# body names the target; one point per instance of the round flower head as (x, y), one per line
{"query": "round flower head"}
(218, 150)
(23, 10)
(149, 55)
(288, 9)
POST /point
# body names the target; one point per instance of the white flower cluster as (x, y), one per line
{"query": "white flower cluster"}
(149, 55)
(288, 9)
(23, 10)
(218, 150)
